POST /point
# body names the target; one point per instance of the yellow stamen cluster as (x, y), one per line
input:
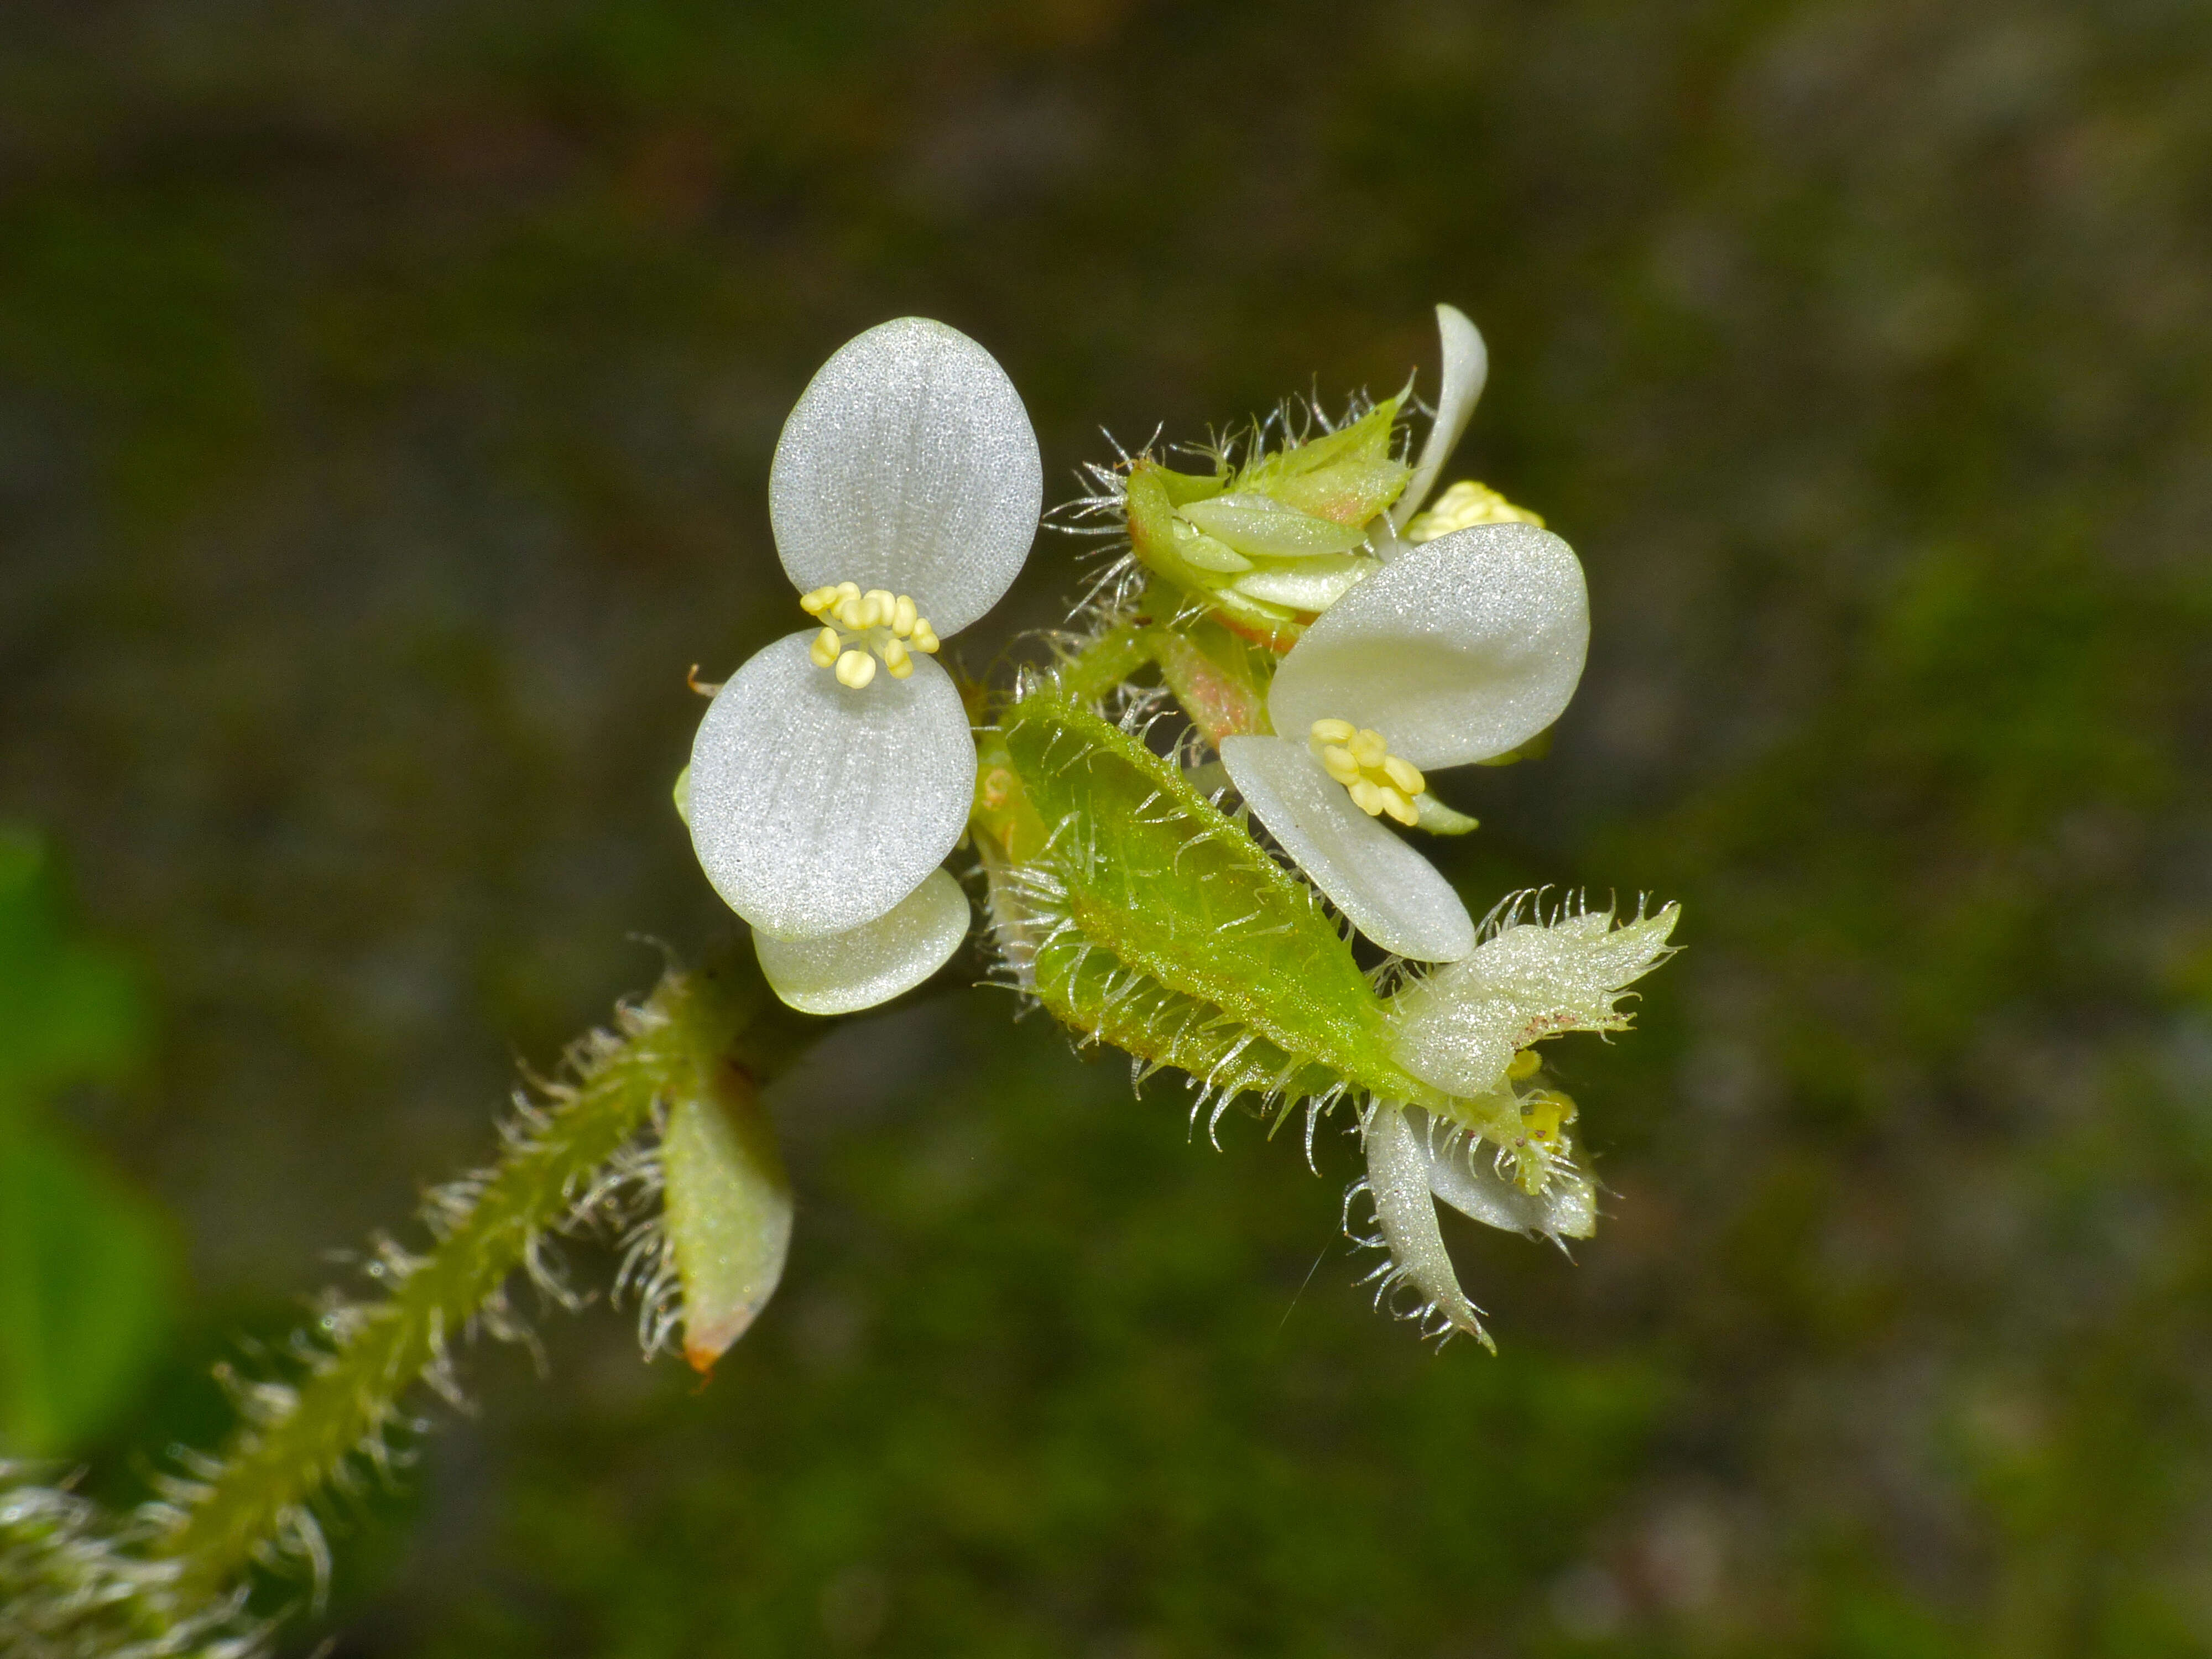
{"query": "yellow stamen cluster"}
(860, 627)
(1462, 507)
(1361, 761)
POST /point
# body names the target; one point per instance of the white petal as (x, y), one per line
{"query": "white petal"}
(816, 807)
(838, 973)
(1467, 366)
(908, 465)
(1398, 1180)
(1391, 892)
(1465, 647)
(1458, 1028)
(1464, 1174)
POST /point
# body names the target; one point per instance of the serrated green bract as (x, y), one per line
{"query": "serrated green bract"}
(1156, 923)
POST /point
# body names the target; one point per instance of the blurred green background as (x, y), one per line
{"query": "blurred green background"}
(386, 392)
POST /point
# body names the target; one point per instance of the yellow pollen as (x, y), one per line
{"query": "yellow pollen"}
(1358, 758)
(1465, 504)
(863, 628)
(1527, 1063)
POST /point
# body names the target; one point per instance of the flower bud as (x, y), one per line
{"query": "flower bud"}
(1274, 541)
(727, 1209)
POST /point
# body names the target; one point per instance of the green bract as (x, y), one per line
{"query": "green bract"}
(1155, 922)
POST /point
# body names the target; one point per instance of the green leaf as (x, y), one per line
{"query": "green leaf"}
(69, 1010)
(1168, 932)
(85, 1286)
(84, 1274)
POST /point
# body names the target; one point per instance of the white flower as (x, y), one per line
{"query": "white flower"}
(823, 792)
(1456, 651)
(1467, 1029)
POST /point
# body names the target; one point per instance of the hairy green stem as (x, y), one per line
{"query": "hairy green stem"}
(256, 1500)
(1105, 663)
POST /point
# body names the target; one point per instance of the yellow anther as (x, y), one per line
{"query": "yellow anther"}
(1525, 1064)
(1360, 759)
(864, 630)
(1406, 776)
(1337, 761)
(1467, 503)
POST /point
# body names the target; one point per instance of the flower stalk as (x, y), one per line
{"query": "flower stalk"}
(568, 1167)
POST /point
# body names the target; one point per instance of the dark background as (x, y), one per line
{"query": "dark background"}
(386, 392)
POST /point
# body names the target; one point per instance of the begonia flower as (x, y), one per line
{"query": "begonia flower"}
(833, 771)
(1457, 651)
(1469, 1029)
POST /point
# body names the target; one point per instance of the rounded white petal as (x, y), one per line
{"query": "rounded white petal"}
(816, 807)
(1398, 1181)
(838, 973)
(1463, 648)
(1466, 367)
(908, 463)
(1391, 892)
(1463, 1173)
